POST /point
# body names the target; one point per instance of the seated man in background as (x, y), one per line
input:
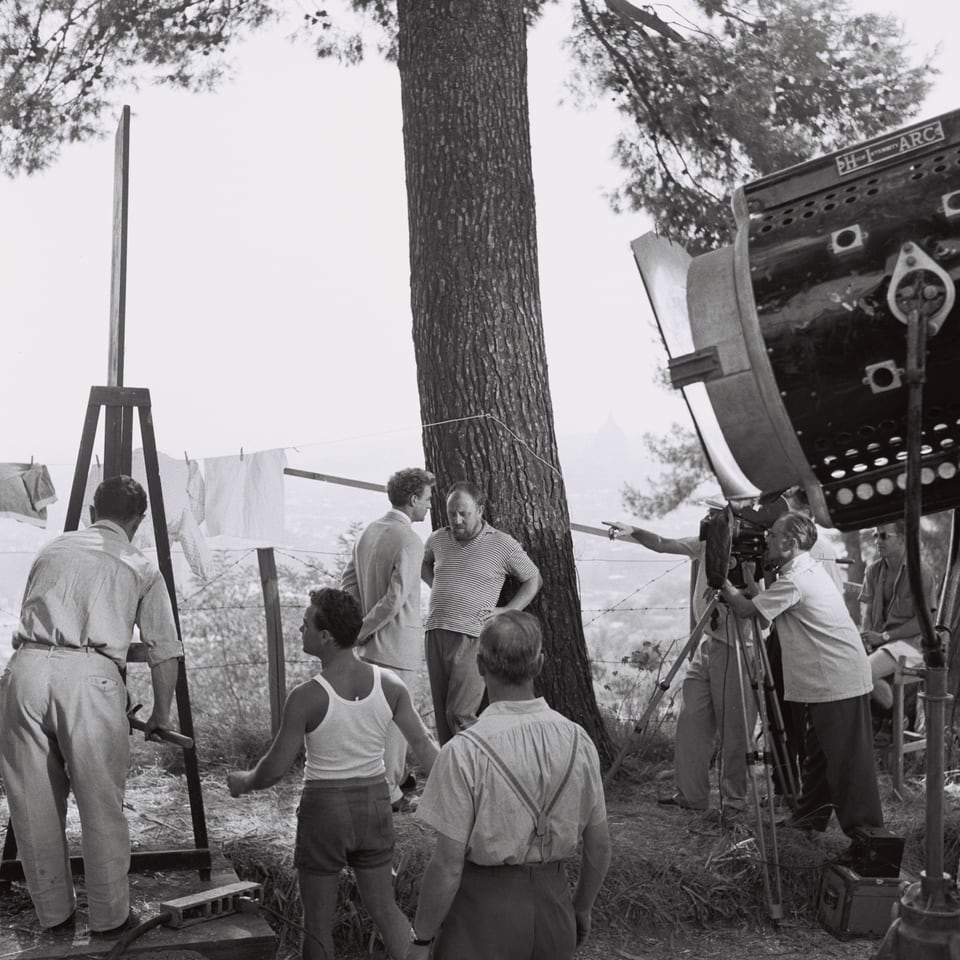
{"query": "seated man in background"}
(890, 628)
(511, 798)
(342, 716)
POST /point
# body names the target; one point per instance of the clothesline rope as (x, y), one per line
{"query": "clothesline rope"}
(500, 423)
(372, 436)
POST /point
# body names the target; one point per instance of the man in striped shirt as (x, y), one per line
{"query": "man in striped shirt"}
(466, 565)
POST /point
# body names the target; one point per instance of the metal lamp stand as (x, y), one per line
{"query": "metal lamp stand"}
(927, 925)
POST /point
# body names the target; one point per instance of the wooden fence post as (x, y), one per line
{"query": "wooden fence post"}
(276, 663)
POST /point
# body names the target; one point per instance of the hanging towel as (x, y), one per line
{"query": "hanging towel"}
(181, 485)
(244, 496)
(26, 491)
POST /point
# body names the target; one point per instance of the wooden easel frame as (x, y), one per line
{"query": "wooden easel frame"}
(121, 402)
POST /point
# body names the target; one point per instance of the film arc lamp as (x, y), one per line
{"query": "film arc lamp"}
(790, 345)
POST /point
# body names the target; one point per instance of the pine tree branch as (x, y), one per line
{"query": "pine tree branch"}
(631, 14)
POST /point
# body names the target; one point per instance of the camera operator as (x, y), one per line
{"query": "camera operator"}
(826, 669)
(768, 509)
(714, 693)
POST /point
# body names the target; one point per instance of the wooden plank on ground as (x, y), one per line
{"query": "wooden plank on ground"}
(238, 936)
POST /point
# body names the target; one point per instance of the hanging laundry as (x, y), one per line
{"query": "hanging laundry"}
(244, 496)
(26, 491)
(94, 479)
(181, 485)
(191, 537)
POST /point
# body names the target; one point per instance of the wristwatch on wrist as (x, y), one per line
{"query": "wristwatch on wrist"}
(418, 942)
(885, 636)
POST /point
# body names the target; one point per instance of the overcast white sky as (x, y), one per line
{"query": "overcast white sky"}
(268, 275)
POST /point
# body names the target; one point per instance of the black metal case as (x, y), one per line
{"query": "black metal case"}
(849, 905)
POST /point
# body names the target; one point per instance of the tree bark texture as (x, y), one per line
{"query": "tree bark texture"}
(477, 325)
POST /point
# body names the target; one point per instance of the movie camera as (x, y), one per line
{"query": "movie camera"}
(732, 537)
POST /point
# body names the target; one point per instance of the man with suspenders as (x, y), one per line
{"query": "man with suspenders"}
(510, 799)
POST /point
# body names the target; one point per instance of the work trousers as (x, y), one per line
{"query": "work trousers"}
(63, 723)
(395, 745)
(509, 913)
(714, 694)
(456, 686)
(793, 717)
(839, 770)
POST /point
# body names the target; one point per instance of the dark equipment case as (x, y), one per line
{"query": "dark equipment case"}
(849, 905)
(874, 852)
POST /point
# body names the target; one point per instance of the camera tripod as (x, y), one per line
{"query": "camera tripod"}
(774, 750)
(755, 666)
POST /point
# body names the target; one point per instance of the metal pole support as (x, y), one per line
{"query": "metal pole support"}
(926, 922)
(927, 925)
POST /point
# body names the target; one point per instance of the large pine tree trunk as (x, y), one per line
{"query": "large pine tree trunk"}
(477, 326)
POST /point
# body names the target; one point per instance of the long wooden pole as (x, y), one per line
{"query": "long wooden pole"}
(118, 420)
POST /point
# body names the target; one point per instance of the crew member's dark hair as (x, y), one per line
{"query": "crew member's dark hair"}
(405, 483)
(899, 526)
(510, 645)
(120, 499)
(800, 528)
(338, 612)
(797, 500)
(470, 489)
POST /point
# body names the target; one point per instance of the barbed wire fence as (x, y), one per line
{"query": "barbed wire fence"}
(631, 644)
(633, 632)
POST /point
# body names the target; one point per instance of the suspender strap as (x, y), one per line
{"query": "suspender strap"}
(540, 813)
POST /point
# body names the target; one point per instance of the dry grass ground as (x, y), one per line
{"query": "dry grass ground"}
(679, 887)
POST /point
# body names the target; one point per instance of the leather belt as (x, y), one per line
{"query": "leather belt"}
(40, 645)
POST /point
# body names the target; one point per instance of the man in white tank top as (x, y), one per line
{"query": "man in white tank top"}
(342, 716)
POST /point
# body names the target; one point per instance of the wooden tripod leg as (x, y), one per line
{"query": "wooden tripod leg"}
(82, 469)
(184, 714)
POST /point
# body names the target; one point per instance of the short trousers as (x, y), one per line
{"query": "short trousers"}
(901, 648)
(340, 824)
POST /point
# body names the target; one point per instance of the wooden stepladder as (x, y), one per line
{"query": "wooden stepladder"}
(121, 403)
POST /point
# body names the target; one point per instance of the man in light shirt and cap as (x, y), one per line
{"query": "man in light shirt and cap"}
(63, 705)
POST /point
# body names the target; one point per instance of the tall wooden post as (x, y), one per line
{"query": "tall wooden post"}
(118, 420)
